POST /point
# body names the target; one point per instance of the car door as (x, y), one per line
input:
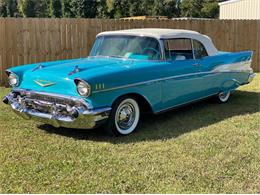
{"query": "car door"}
(182, 82)
(208, 80)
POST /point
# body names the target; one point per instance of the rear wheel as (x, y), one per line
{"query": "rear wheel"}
(124, 117)
(223, 97)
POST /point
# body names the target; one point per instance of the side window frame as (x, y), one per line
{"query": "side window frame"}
(168, 39)
(193, 50)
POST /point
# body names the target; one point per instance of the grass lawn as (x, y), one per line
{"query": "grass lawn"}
(201, 148)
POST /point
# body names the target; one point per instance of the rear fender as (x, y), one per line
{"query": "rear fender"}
(236, 62)
(229, 85)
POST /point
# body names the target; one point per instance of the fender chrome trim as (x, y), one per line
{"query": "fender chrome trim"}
(223, 69)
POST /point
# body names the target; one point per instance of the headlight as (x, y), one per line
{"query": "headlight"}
(13, 79)
(83, 88)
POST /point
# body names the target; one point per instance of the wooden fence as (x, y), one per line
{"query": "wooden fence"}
(31, 40)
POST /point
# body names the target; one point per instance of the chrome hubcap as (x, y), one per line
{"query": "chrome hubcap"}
(224, 96)
(125, 116)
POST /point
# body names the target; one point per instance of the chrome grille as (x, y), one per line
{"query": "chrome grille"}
(54, 100)
(50, 104)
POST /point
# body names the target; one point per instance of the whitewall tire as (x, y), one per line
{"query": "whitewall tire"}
(124, 117)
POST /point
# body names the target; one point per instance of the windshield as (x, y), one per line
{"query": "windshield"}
(132, 47)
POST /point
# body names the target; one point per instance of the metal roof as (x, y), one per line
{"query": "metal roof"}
(227, 2)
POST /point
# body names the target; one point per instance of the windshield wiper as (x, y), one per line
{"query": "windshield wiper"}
(115, 56)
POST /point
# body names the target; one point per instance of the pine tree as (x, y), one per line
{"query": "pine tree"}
(57, 8)
(8, 8)
(102, 9)
(83, 8)
(3, 8)
(66, 9)
(26, 8)
(50, 9)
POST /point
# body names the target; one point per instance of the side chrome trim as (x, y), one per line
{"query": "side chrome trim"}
(152, 81)
(163, 79)
(238, 66)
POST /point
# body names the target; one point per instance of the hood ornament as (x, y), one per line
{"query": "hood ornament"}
(38, 67)
(75, 70)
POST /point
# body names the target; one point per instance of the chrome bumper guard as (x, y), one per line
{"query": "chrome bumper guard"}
(56, 110)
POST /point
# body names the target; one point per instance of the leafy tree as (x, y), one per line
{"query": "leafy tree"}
(26, 8)
(102, 9)
(3, 8)
(109, 8)
(199, 8)
(41, 9)
(191, 8)
(166, 8)
(8, 8)
(83, 8)
(66, 9)
(136, 8)
(210, 9)
(118, 8)
(152, 7)
(33, 8)
(55, 8)
(50, 8)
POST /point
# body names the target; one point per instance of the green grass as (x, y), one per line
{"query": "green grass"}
(201, 148)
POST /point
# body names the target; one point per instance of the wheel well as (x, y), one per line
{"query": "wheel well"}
(142, 102)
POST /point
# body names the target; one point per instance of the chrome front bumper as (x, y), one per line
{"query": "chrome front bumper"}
(56, 110)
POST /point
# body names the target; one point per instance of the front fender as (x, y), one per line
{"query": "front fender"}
(20, 70)
(150, 92)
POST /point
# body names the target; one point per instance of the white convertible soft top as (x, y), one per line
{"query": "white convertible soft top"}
(164, 33)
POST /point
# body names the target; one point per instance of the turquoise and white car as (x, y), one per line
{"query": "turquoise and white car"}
(128, 72)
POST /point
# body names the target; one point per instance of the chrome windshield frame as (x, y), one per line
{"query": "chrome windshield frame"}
(161, 46)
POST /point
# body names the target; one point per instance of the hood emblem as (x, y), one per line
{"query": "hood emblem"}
(75, 70)
(44, 83)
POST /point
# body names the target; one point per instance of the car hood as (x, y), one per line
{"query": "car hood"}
(74, 68)
(58, 77)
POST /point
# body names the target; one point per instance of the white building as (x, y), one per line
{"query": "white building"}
(240, 9)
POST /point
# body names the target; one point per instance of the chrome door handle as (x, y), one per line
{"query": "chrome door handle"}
(196, 64)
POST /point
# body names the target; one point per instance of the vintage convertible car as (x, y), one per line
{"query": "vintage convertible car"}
(126, 73)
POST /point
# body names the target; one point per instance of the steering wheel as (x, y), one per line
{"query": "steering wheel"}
(157, 53)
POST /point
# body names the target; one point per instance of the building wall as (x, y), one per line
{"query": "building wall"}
(240, 9)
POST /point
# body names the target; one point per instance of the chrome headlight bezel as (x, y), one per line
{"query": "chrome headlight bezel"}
(83, 88)
(13, 79)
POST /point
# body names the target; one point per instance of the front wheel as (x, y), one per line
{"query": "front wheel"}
(124, 117)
